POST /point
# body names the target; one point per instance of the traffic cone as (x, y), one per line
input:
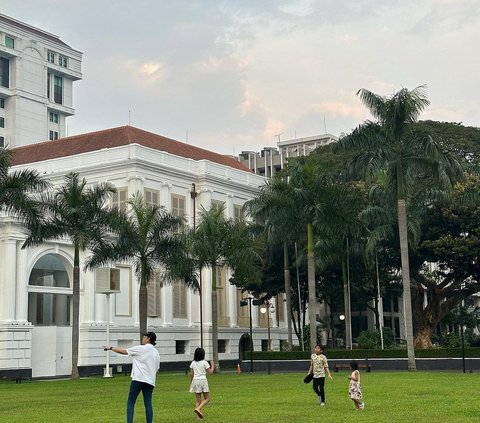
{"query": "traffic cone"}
(239, 370)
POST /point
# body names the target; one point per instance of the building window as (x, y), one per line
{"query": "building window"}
(47, 305)
(48, 86)
(264, 344)
(53, 117)
(9, 42)
(4, 72)
(222, 346)
(119, 199)
(178, 205)
(2, 103)
(180, 347)
(217, 205)
(179, 300)
(51, 56)
(2, 142)
(58, 89)
(53, 135)
(62, 61)
(238, 213)
(2, 122)
(153, 295)
(152, 197)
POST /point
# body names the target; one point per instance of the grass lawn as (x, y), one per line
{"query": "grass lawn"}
(389, 397)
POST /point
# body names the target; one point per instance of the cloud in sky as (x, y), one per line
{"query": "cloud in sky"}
(237, 74)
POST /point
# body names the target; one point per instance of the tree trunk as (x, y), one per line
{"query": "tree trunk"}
(288, 295)
(76, 313)
(407, 297)
(312, 297)
(348, 307)
(215, 317)
(423, 337)
(142, 308)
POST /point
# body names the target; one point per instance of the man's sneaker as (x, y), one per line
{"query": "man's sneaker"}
(361, 406)
(322, 404)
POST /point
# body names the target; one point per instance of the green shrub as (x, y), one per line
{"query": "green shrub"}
(366, 353)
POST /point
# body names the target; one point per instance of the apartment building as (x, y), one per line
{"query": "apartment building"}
(37, 73)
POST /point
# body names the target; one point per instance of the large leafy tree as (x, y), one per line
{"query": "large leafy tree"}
(153, 240)
(451, 240)
(216, 242)
(392, 144)
(75, 211)
(16, 189)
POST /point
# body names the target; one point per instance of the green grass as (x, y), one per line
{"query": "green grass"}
(389, 396)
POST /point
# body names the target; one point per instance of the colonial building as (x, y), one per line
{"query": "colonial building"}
(36, 283)
(37, 71)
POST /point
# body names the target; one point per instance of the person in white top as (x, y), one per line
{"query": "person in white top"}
(199, 384)
(145, 364)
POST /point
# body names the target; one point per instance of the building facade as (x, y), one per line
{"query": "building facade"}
(36, 282)
(271, 160)
(37, 72)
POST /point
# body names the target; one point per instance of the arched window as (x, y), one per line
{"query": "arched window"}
(49, 293)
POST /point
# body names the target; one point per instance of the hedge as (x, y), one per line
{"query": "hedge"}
(362, 354)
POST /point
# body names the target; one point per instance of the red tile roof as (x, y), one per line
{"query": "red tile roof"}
(116, 137)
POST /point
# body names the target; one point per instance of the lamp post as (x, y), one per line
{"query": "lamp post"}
(193, 196)
(342, 318)
(248, 302)
(267, 308)
(462, 336)
(107, 319)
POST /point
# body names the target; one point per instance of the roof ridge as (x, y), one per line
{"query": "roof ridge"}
(116, 137)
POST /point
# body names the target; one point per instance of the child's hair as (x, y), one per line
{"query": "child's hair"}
(199, 354)
(353, 365)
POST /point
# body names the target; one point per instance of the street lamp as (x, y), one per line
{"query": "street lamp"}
(266, 307)
(248, 302)
(342, 318)
(193, 196)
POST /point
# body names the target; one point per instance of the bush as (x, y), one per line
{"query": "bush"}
(360, 354)
(452, 340)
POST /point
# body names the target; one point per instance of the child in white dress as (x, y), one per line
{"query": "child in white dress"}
(199, 383)
(354, 388)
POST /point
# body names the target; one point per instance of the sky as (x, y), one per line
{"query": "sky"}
(235, 75)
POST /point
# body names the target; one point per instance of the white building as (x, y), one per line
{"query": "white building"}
(272, 159)
(35, 312)
(37, 71)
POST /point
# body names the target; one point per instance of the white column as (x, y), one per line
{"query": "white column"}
(207, 298)
(8, 280)
(273, 316)
(255, 319)
(167, 306)
(87, 293)
(232, 302)
(230, 208)
(135, 184)
(22, 285)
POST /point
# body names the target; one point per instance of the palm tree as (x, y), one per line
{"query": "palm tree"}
(392, 144)
(278, 212)
(77, 212)
(218, 241)
(16, 189)
(152, 239)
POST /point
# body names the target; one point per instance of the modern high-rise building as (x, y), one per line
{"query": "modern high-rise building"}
(37, 72)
